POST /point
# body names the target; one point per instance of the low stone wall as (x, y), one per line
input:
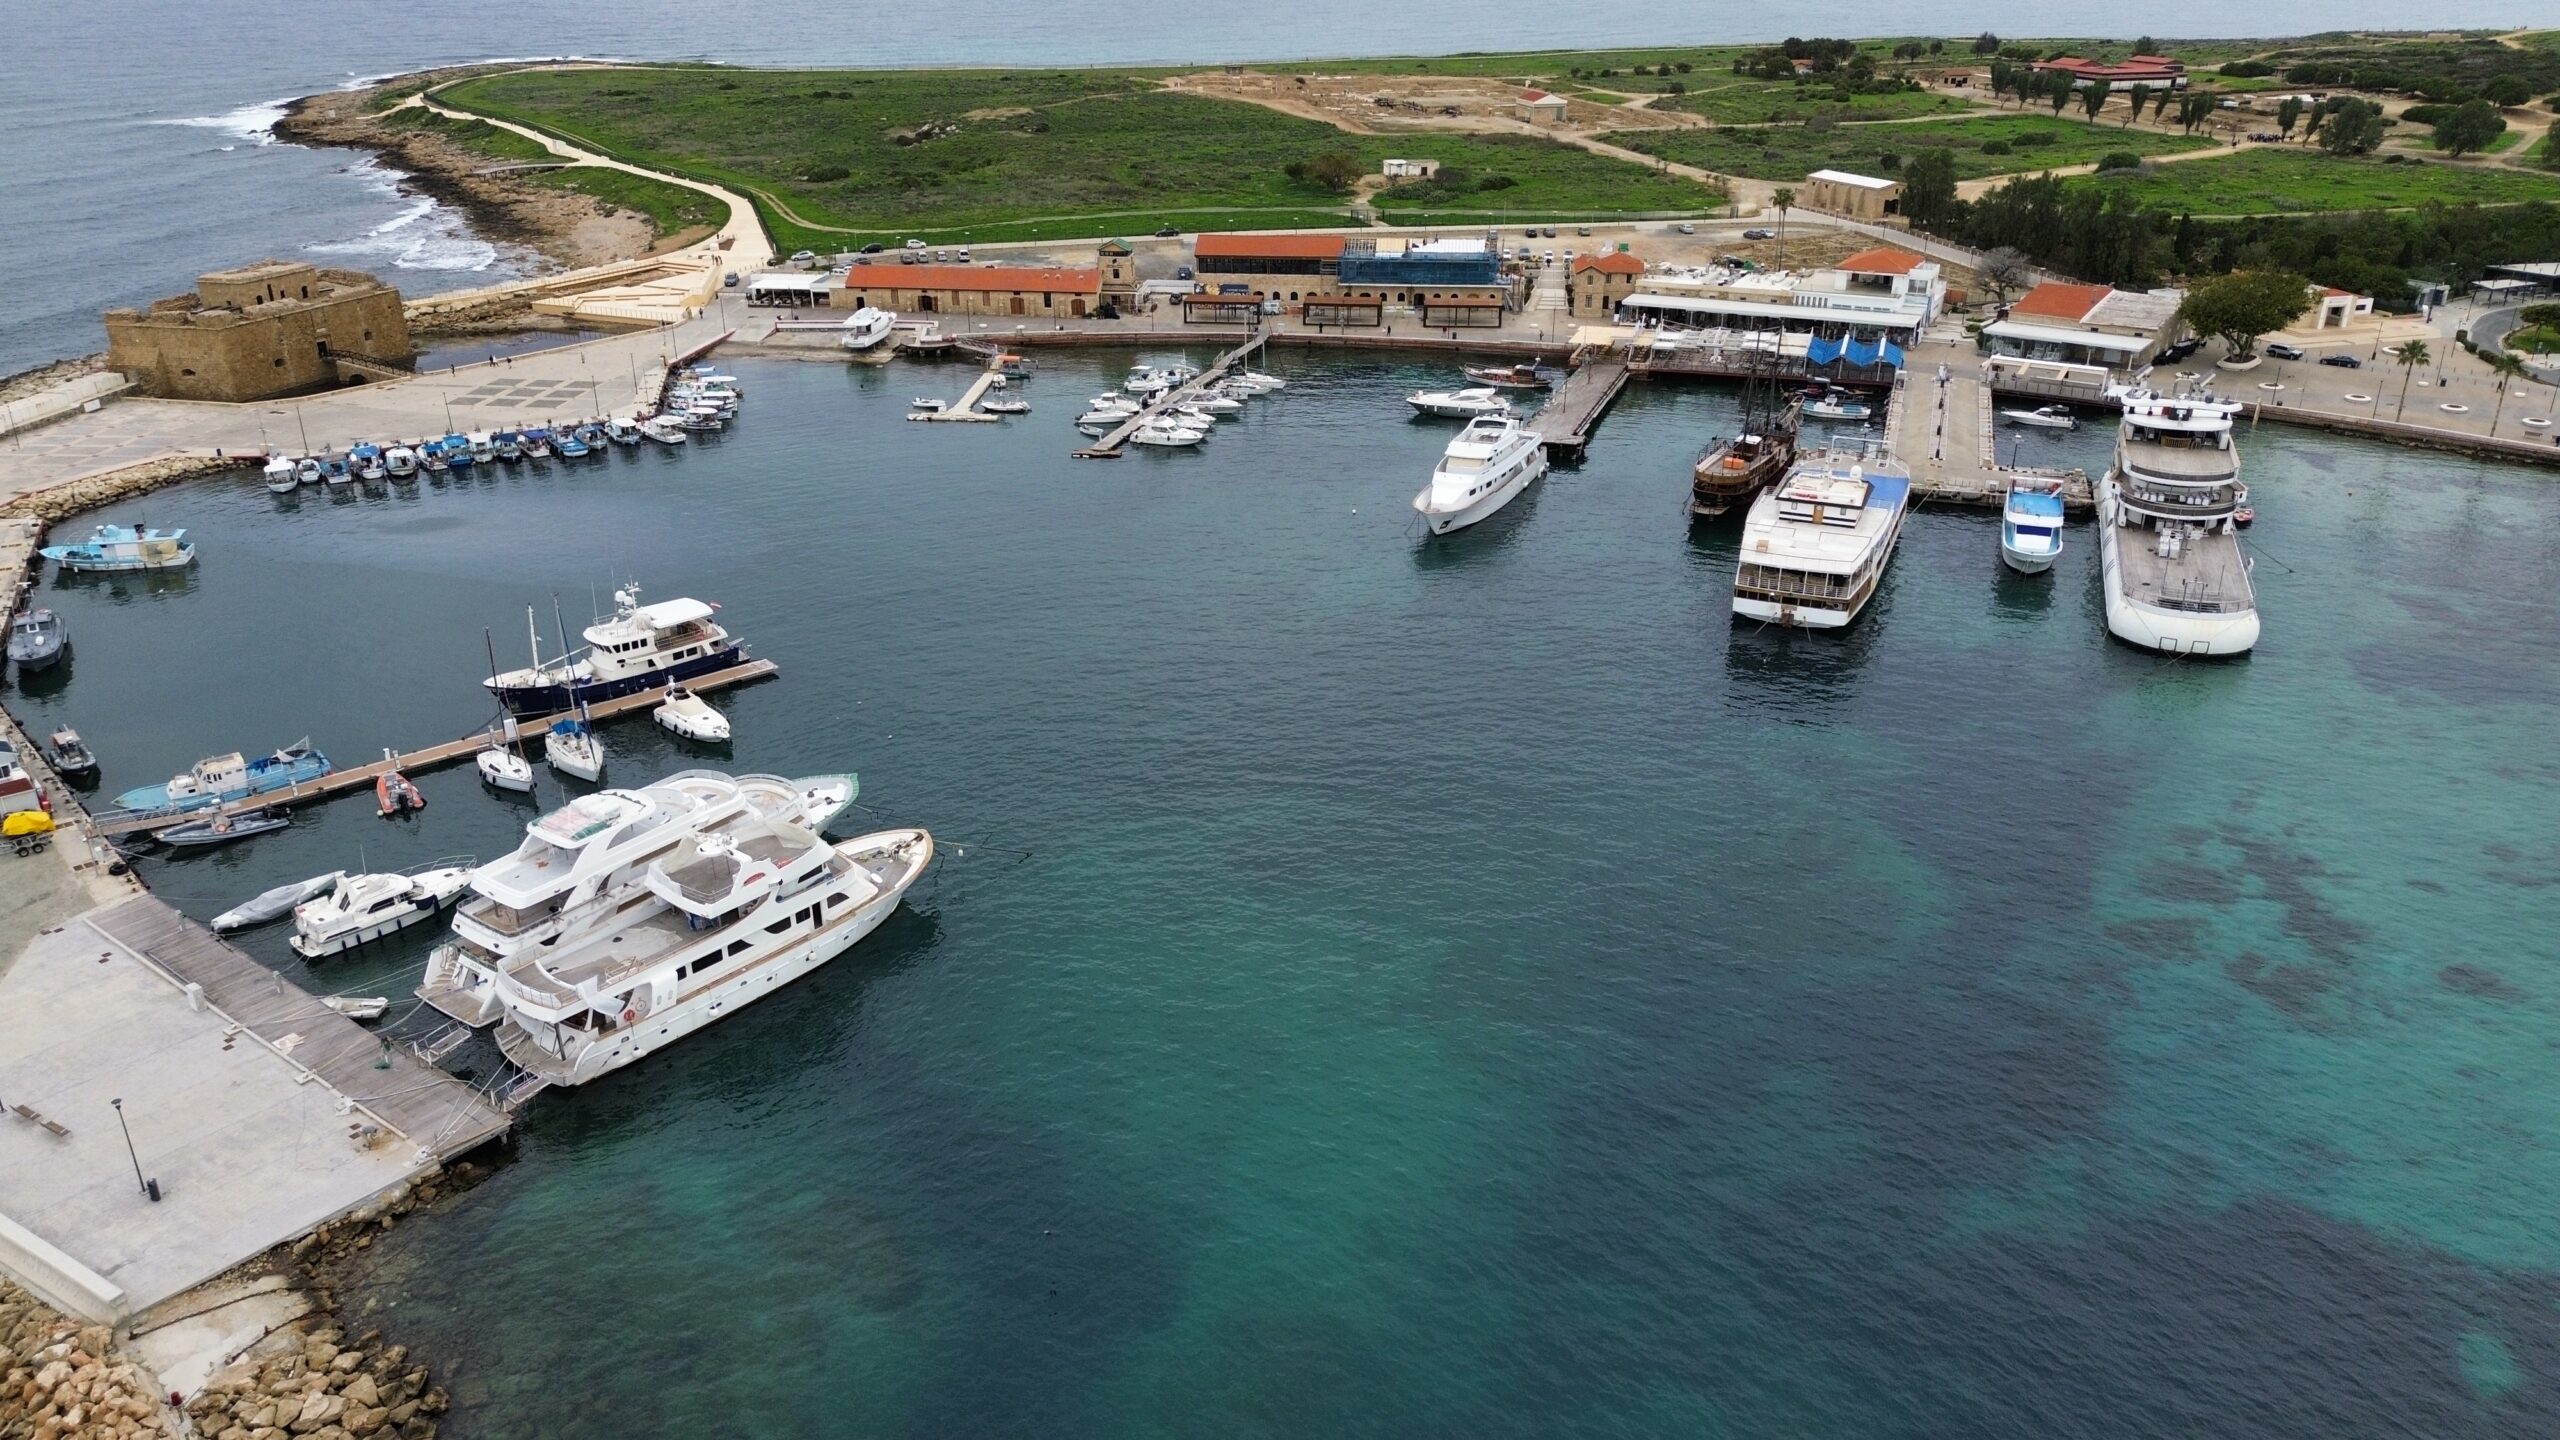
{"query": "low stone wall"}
(62, 1380)
(91, 491)
(2424, 436)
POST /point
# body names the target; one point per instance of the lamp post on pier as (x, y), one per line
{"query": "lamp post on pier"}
(148, 1187)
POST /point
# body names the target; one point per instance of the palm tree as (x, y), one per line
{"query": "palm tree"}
(1784, 198)
(2508, 368)
(2410, 354)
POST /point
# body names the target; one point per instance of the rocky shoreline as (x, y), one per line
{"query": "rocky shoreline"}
(567, 228)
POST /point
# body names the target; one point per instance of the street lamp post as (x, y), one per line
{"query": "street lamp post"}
(148, 1187)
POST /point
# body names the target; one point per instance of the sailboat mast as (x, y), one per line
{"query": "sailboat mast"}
(533, 637)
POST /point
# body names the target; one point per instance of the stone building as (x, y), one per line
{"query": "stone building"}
(274, 328)
(1860, 197)
(1597, 283)
(1021, 291)
(1119, 265)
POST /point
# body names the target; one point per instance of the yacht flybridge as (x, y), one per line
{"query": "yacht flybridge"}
(732, 917)
(2176, 580)
(1815, 547)
(639, 647)
(579, 868)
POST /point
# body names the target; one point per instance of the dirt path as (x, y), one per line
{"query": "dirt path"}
(1976, 189)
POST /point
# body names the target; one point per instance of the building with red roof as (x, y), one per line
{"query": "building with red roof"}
(2075, 324)
(1042, 292)
(2157, 71)
(1597, 282)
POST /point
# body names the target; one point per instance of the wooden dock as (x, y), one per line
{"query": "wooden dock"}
(1577, 404)
(361, 777)
(443, 1116)
(1108, 447)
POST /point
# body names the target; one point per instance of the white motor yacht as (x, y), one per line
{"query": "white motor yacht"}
(1485, 467)
(1216, 402)
(689, 715)
(736, 918)
(2176, 579)
(1816, 544)
(363, 908)
(639, 647)
(1162, 435)
(578, 871)
(868, 326)
(1464, 404)
(1257, 382)
(2031, 524)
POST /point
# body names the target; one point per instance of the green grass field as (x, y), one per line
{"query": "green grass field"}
(1734, 100)
(1074, 153)
(2037, 142)
(671, 208)
(2289, 180)
(2424, 139)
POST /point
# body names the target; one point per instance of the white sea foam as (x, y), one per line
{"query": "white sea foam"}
(423, 236)
(249, 122)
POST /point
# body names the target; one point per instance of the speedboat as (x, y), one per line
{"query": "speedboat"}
(1523, 376)
(1007, 407)
(1257, 382)
(2044, 417)
(1490, 462)
(401, 461)
(1164, 435)
(504, 769)
(122, 547)
(663, 430)
(221, 779)
(1193, 416)
(283, 475)
(638, 648)
(1460, 404)
(1216, 402)
(510, 446)
(867, 327)
(68, 755)
(571, 445)
(573, 749)
(1836, 405)
(36, 639)
(364, 908)
(366, 461)
(687, 714)
(273, 904)
(622, 431)
(1815, 547)
(926, 403)
(2031, 524)
(222, 829)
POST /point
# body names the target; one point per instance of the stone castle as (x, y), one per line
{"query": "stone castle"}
(274, 328)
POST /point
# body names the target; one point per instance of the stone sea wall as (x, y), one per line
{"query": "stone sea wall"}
(62, 1380)
(88, 494)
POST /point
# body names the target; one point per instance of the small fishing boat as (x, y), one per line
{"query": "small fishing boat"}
(537, 443)
(366, 461)
(573, 749)
(621, 431)
(122, 547)
(36, 639)
(307, 471)
(1007, 407)
(484, 447)
(223, 829)
(1464, 404)
(221, 779)
(570, 445)
(1524, 376)
(1836, 405)
(364, 908)
(459, 453)
(431, 457)
(283, 475)
(68, 755)
(334, 471)
(401, 461)
(370, 1007)
(394, 794)
(2031, 524)
(509, 444)
(662, 430)
(504, 769)
(2044, 417)
(273, 904)
(593, 433)
(925, 402)
(687, 714)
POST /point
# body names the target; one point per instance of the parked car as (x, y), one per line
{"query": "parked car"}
(938, 257)
(961, 255)
(730, 280)
(803, 257)
(2172, 354)
(1688, 229)
(1581, 229)
(1181, 272)
(1550, 260)
(873, 248)
(915, 244)
(2343, 362)
(2282, 351)
(1166, 232)
(1759, 234)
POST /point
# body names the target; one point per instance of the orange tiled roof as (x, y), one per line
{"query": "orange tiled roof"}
(1268, 247)
(1610, 262)
(1882, 260)
(1087, 281)
(2060, 300)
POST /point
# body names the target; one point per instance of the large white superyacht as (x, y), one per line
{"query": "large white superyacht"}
(581, 869)
(1815, 545)
(736, 916)
(1491, 461)
(2176, 580)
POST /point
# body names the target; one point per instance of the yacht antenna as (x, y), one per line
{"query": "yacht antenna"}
(558, 624)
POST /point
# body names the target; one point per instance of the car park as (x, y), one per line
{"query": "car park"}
(2343, 362)
(2282, 351)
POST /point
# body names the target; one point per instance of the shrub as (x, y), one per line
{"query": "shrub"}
(2033, 138)
(2425, 114)
(1496, 182)
(2248, 69)
(825, 174)
(1995, 147)
(2119, 160)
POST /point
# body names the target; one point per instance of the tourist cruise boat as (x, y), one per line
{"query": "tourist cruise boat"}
(122, 547)
(2031, 524)
(1732, 470)
(578, 870)
(1815, 548)
(2168, 533)
(639, 647)
(1489, 463)
(868, 326)
(221, 779)
(735, 917)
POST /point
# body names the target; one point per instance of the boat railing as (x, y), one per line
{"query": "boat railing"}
(1799, 584)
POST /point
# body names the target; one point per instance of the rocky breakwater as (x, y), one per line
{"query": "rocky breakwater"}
(62, 1380)
(322, 1388)
(89, 492)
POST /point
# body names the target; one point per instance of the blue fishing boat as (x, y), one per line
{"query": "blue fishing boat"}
(569, 445)
(457, 452)
(220, 779)
(122, 547)
(334, 470)
(510, 445)
(366, 460)
(537, 443)
(592, 436)
(431, 457)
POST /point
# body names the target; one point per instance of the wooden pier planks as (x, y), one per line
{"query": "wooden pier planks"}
(1577, 404)
(361, 777)
(436, 1111)
(1108, 447)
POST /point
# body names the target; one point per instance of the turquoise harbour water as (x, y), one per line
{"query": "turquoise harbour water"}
(1471, 987)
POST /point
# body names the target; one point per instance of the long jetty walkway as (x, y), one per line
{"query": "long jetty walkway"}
(1577, 404)
(361, 777)
(1108, 447)
(1940, 424)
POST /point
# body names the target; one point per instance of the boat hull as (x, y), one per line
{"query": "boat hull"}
(157, 797)
(420, 910)
(553, 699)
(1447, 522)
(2026, 562)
